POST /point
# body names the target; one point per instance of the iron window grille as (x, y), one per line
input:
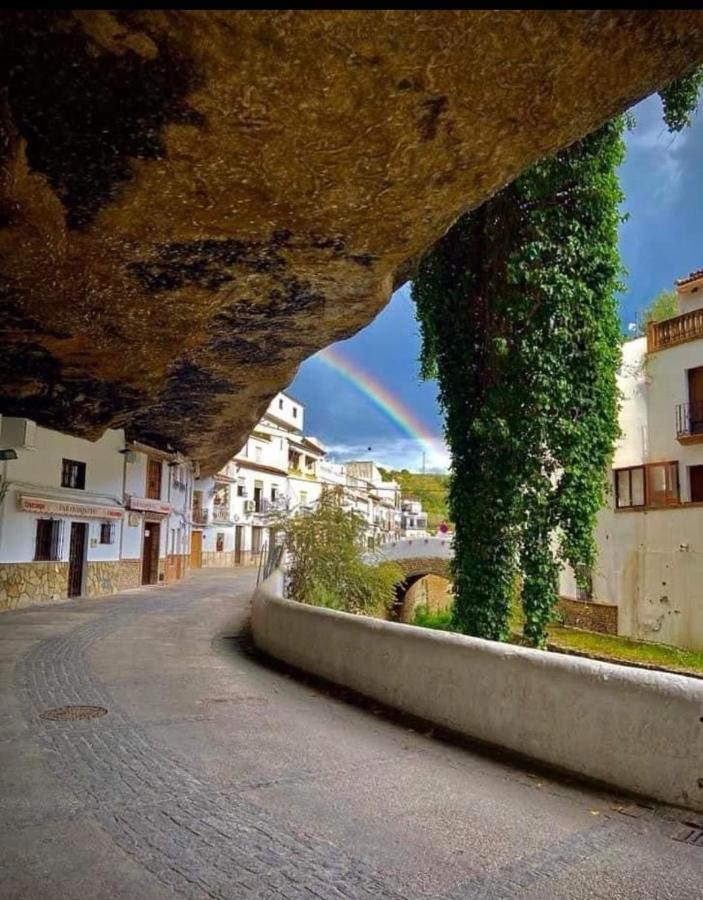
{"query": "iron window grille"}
(73, 474)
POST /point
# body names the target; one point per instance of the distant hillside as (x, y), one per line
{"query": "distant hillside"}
(430, 490)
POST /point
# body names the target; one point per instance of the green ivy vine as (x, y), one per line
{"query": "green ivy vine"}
(518, 312)
(519, 319)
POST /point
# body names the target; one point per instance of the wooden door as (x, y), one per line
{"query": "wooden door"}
(238, 541)
(196, 549)
(696, 475)
(76, 559)
(695, 399)
(150, 553)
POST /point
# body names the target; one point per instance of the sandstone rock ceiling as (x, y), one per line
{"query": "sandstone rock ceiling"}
(194, 202)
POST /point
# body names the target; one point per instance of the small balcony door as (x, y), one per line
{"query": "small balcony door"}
(695, 400)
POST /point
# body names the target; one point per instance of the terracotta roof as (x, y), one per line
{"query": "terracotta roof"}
(692, 276)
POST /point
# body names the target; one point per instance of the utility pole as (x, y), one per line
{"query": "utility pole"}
(423, 462)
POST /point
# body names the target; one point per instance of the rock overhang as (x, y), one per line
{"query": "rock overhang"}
(194, 202)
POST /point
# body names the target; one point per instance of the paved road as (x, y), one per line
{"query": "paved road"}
(213, 776)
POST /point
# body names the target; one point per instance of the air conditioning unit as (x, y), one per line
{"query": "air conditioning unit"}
(249, 506)
(19, 433)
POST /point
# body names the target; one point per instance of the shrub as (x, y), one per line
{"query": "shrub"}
(325, 564)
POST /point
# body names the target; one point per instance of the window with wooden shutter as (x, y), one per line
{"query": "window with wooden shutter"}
(153, 479)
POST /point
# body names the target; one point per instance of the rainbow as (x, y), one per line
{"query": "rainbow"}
(398, 413)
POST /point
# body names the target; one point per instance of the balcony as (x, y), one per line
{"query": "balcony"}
(689, 423)
(678, 330)
(221, 515)
(200, 516)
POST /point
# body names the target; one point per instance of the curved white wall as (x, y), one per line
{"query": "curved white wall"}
(631, 728)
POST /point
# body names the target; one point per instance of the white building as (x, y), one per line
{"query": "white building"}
(414, 519)
(280, 471)
(650, 538)
(84, 518)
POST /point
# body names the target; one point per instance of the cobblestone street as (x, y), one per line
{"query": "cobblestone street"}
(214, 776)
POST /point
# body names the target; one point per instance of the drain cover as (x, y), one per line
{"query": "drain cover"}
(71, 713)
(690, 833)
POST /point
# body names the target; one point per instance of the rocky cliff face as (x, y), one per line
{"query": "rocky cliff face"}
(194, 202)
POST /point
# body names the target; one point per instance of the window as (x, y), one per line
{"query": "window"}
(107, 532)
(295, 412)
(153, 479)
(48, 540)
(257, 454)
(220, 541)
(274, 492)
(280, 403)
(241, 488)
(654, 484)
(73, 474)
(303, 498)
(695, 474)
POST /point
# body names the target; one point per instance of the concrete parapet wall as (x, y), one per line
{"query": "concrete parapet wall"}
(637, 730)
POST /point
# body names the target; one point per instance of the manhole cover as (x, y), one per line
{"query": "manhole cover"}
(71, 713)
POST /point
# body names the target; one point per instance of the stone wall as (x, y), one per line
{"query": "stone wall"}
(635, 729)
(22, 584)
(130, 575)
(601, 617)
(218, 559)
(102, 577)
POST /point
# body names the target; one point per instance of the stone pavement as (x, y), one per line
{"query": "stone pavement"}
(214, 776)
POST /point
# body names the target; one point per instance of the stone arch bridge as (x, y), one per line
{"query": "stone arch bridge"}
(417, 557)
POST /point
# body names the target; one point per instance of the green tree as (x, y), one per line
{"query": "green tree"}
(663, 306)
(325, 562)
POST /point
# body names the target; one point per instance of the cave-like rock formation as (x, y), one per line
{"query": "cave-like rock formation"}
(194, 202)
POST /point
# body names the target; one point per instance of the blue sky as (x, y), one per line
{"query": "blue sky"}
(662, 178)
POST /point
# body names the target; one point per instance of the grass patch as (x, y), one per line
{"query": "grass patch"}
(600, 646)
(623, 649)
(441, 621)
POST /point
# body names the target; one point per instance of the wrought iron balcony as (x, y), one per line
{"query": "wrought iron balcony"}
(199, 516)
(678, 330)
(221, 515)
(689, 422)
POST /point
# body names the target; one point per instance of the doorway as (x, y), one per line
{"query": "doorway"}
(696, 478)
(256, 542)
(238, 541)
(695, 400)
(76, 559)
(196, 549)
(150, 552)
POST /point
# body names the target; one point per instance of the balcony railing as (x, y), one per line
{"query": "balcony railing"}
(674, 331)
(689, 419)
(200, 516)
(221, 514)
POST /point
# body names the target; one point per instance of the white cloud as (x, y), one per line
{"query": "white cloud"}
(393, 453)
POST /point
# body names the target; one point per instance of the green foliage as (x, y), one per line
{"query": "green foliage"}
(663, 306)
(325, 565)
(429, 489)
(680, 98)
(442, 621)
(520, 327)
